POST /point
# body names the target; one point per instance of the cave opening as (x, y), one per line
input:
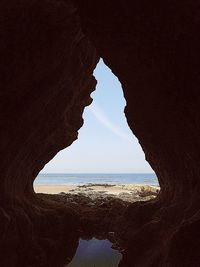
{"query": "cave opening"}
(106, 151)
(49, 50)
(104, 170)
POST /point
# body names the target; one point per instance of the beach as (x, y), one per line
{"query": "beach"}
(126, 192)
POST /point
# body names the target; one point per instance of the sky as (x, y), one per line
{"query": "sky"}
(105, 143)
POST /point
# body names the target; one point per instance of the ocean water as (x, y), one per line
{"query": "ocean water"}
(95, 178)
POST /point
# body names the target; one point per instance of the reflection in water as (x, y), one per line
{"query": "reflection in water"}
(95, 253)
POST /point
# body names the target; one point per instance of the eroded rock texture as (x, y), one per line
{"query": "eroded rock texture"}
(152, 47)
(47, 61)
(46, 80)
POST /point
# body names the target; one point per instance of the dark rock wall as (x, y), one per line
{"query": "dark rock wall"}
(46, 66)
(47, 59)
(46, 81)
(153, 48)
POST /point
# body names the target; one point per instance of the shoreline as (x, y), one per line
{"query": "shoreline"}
(125, 192)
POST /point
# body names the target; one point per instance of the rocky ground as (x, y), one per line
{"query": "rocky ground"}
(126, 192)
(101, 206)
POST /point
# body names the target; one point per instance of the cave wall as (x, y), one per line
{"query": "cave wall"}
(152, 47)
(153, 50)
(48, 52)
(46, 81)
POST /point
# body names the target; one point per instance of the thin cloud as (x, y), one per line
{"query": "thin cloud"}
(105, 121)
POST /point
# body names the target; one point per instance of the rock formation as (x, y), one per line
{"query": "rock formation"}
(152, 47)
(46, 80)
(48, 53)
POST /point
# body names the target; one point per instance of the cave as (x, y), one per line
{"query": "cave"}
(105, 143)
(49, 50)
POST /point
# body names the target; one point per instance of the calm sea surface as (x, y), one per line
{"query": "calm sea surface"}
(96, 178)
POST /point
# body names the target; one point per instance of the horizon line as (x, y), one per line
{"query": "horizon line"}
(96, 173)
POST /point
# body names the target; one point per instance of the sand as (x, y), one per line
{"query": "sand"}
(53, 189)
(127, 192)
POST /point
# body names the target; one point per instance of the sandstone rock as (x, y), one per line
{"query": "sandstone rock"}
(153, 49)
(47, 58)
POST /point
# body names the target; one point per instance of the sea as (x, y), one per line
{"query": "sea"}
(95, 178)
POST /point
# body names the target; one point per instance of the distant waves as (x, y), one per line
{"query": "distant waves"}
(97, 178)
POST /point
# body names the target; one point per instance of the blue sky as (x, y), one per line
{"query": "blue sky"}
(105, 143)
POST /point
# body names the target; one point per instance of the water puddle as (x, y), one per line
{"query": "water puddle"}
(95, 253)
